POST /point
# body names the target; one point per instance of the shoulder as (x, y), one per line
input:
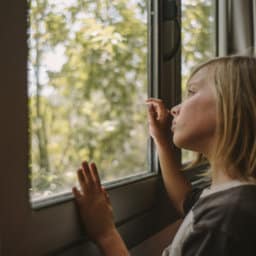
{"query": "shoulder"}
(224, 224)
(232, 211)
(212, 242)
(191, 198)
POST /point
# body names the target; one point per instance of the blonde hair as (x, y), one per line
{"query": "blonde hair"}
(235, 88)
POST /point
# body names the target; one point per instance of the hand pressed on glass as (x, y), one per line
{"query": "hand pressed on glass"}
(94, 204)
(96, 212)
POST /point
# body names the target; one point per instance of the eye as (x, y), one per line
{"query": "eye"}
(190, 92)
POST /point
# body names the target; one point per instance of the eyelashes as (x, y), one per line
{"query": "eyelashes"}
(190, 92)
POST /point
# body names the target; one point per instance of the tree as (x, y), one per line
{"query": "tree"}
(92, 103)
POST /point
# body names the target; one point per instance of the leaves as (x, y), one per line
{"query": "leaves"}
(197, 34)
(92, 102)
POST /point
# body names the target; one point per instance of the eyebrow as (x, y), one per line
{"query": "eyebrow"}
(197, 84)
(191, 84)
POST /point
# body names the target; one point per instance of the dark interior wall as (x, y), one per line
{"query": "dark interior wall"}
(13, 55)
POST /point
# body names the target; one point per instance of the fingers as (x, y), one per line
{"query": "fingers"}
(106, 195)
(152, 115)
(77, 194)
(88, 177)
(82, 178)
(156, 110)
(154, 99)
(90, 184)
(154, 107)
(87, 173)
(96, 174)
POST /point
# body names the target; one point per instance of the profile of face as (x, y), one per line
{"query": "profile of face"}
(194, 120)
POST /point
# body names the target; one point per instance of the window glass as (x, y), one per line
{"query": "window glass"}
(198, 41)
(87, 87)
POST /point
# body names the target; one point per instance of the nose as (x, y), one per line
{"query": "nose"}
(175, 110)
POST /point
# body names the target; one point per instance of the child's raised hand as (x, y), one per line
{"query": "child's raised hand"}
(93, 202)
(159, 119)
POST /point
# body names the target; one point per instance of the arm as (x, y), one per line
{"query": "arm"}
(96, 212)
(113, 244)
(177, 186)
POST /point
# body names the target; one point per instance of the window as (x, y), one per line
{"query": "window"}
(198, 41)
(87, 86)
(43, 231)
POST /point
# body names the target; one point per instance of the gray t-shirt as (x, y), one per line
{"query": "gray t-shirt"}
(218, 219)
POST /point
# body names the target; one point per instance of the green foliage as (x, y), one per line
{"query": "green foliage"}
(92, 107)
(197, 34)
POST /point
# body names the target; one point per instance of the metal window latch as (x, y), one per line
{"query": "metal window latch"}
(169, 10)
(170, 13)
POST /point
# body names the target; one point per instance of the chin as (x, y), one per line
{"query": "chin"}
(182, 143)
(177, 142)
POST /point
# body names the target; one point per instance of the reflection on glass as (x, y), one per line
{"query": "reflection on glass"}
(198, 44)
(87, 87)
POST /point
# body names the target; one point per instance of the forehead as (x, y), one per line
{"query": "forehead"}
(200, 78)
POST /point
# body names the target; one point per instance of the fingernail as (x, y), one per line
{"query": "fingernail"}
(84, 164)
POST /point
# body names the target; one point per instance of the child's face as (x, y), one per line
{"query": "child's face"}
(194, 121)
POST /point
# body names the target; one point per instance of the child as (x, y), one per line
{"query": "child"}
(218, 120)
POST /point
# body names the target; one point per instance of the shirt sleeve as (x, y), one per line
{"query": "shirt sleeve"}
(214, 242)
(191, 198)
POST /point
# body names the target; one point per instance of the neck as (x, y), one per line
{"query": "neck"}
(219, 175)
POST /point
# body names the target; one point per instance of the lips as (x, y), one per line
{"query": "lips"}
(173, 126)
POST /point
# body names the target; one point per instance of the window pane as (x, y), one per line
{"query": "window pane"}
(87, 87)
(198, 41)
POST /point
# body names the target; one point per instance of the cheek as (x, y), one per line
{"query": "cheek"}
(196, 124)
(198, 136)
(201, 110)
